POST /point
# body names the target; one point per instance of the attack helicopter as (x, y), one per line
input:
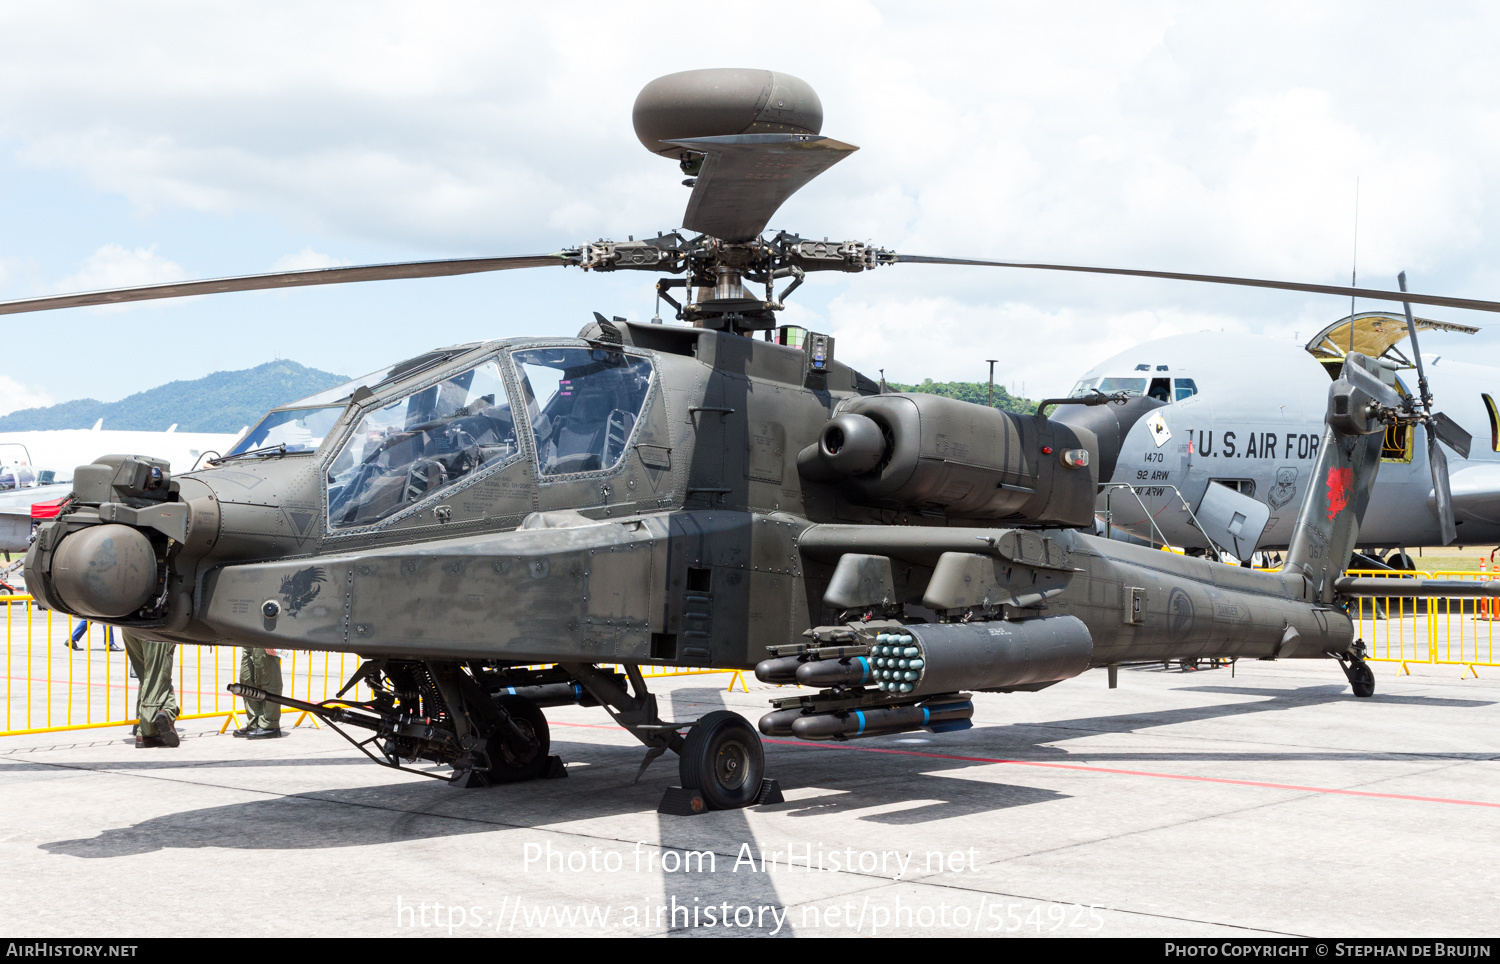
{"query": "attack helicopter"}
(492, 526)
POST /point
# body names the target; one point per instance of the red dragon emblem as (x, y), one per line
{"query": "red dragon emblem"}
(1339, 482)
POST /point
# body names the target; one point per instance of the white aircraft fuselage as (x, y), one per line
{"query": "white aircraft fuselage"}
(1247, 412)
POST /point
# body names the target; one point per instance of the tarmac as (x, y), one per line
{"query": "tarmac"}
(1270, 802)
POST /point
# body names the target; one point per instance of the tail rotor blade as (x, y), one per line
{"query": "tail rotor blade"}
(1440, 489)
(1451, 434)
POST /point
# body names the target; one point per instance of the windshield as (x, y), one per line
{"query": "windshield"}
(583, 403)
(400, 454)
(1131, 386)
(341, 392)
(299, 429)
(383, 376)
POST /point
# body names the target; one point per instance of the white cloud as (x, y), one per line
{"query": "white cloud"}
(945, 339)
(114, 266)
(1198, 137)
(15, 396)
(305, 260)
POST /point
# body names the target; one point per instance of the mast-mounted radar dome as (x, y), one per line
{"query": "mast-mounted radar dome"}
(723, 101)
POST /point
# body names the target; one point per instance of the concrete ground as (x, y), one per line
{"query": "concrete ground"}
(1181, 804)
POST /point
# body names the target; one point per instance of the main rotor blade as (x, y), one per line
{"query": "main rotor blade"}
(1441, 491)
(747, 177)
(1451, 434)
(1473, 304)
(286, 279)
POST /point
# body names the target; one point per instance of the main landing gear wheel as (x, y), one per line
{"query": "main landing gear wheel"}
(509, 766)
(722, 759)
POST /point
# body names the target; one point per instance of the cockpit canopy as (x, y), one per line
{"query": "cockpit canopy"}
(580, 404)
(302, 425)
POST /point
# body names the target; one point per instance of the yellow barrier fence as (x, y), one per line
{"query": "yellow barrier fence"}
(1436, 630)
(63, 673)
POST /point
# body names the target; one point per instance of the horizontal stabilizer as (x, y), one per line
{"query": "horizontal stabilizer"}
(1397, 587)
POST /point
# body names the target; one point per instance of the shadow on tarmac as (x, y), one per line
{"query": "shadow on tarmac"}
(413, 809)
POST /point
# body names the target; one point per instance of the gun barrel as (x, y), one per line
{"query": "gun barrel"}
(337, 714)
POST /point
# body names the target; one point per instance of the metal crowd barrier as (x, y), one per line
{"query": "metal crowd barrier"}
(1436, 630)
(62, 673)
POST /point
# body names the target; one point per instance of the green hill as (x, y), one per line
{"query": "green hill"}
(221, 402)
(976, 392)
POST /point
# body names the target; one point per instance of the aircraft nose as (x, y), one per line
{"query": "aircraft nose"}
(1110, 423)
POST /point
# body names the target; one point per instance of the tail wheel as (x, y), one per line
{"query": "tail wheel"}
(723, 760)
(1362, 679)
(508, 766)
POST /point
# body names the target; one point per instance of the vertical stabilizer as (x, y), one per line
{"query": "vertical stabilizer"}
(1328, 525)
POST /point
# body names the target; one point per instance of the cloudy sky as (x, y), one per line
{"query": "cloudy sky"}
(160, 141)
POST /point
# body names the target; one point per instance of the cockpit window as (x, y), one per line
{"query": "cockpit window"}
(583, 405)
(1130, 386)
(340, 392)
(419, 444)
(299, 429)
(1083, 388)
(381, 377)
(1186, 388)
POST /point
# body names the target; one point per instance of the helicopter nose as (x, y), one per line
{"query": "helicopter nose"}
(105, 571)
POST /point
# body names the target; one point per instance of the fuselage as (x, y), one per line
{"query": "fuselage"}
(580, 501)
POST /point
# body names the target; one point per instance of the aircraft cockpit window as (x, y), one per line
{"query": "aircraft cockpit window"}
(583, 404)
(1161, 389)
(1083, 388)
(299, 429)
(1130, 386)
(1186, 388)
(340, 392)
(413, 447)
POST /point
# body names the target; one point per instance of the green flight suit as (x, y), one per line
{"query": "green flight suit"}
(263, 671)
(152, 662)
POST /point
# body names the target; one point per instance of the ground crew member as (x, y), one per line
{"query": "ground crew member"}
(261, 668)
(156, 703)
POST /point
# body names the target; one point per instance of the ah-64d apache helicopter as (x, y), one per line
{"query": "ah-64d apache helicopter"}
(685, 495)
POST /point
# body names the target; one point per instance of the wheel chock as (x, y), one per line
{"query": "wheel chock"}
(770, 792)
(682, 802)
(554, 770)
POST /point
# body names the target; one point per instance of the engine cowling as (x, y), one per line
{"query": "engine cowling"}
(926, 452)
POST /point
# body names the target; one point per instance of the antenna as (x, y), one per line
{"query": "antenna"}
(1354, 264)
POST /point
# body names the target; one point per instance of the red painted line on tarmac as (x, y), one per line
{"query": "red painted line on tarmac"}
(1113, 770)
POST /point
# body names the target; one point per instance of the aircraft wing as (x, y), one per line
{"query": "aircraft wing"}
(15, 513)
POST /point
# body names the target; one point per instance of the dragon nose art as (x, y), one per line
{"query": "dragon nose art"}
(105, 571)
